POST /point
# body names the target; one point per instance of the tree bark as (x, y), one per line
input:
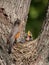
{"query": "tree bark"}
(43, 43)
(32, 53)
(10, 10)
(15, 9)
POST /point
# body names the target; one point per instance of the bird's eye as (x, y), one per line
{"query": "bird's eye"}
(17, 22)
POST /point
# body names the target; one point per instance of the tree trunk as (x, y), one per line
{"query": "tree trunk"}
(15, 9)
(32, 53)
(42, 50)
(10, 10)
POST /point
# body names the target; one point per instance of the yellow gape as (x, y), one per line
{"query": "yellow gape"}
(29, 33)
(17, 35)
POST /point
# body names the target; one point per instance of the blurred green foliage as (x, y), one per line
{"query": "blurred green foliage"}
(35, 16)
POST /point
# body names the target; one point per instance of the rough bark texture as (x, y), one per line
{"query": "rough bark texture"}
(30, 53)
(10, 10)
(43, 43)
(14, 9)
